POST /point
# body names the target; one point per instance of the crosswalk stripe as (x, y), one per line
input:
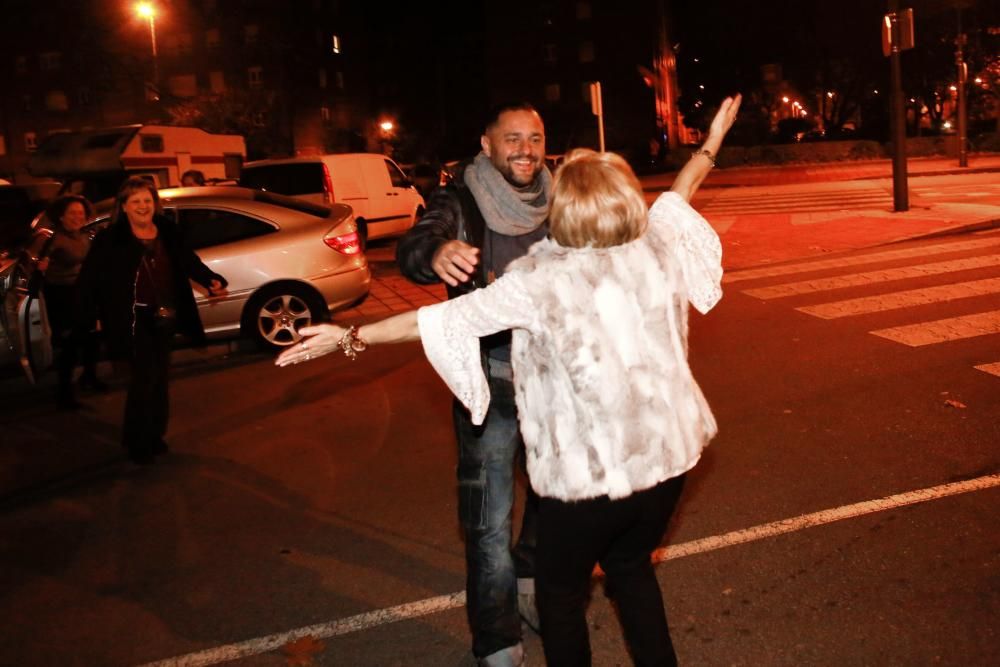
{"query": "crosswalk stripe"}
(871, 277)
(819, 265)
(905, 299)
(940, 331)
(992, 369)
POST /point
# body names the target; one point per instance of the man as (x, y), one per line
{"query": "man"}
(492, 212)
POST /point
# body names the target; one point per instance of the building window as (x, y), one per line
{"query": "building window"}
(335, 43)
(324, 113)
(552, 92)
(217, 81)
(550, 53)
(255, 76)
(21, 64)
(322, 77)
(250, 34)
(582, 11)
(184, 43)
(49, 61)
(56, 100)
(83, 96)
(587, 52)
(3, 145)
(183, 85)
(340, 80)
(30, 141)
(212, 38)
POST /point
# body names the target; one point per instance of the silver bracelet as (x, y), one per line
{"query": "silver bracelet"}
(351, 343)
(707, 153)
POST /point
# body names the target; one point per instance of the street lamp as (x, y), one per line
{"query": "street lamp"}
(147, 11)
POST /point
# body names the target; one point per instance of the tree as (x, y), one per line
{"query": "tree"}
(251, 113)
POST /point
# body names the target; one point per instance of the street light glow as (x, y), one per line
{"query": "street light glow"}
(386, 125)
(785, 100)
(145, 10)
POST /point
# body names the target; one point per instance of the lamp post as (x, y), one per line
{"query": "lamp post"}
(147, 11)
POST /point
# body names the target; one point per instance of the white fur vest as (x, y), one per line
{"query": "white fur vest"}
(606, 399)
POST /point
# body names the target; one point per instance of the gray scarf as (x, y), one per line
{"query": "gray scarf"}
(506, 209)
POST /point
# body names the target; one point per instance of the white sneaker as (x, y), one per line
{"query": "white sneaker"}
(512, 656)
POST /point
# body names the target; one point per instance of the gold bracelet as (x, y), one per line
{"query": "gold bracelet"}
(351, 343)
(707, 153)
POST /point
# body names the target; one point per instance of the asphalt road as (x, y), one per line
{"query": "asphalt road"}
(322, 496)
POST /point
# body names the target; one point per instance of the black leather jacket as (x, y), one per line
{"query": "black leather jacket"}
(452, 214)
(108, 277)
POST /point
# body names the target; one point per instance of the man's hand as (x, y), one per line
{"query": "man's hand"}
(455, 261)
(319, 340)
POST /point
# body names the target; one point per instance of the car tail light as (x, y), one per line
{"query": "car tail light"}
(345, 244)
(327, 185)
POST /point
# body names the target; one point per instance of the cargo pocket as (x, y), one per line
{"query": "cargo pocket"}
(471, 498)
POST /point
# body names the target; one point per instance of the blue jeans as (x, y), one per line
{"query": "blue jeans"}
(486, 458)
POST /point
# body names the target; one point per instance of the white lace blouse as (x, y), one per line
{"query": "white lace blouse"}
(606, 399)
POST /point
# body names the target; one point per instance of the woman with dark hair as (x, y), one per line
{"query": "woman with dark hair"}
(60, 261)
(135, 282)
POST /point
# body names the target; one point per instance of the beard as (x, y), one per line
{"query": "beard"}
(516, 179)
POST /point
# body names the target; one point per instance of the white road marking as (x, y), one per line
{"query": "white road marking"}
(819, 265)
(992, 369)
(455, 600)
(905, 299)
(941, 331)
(873, 277)
(823, 517)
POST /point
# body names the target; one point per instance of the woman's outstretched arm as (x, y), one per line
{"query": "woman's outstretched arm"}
(694, 172)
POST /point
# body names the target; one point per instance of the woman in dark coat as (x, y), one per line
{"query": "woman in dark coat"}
(61, 259)
(135, 282)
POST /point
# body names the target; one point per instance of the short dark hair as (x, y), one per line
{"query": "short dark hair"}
(495, 112)
(198, 176)
(132, 185)
(58, 207)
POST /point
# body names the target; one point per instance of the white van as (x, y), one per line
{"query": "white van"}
(384, 200)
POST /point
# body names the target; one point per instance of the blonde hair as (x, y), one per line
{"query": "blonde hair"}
(597, 201)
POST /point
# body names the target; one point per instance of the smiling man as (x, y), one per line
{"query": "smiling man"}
(493, 211)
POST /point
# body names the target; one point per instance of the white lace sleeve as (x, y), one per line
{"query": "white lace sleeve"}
(695, 244)
(450, 333)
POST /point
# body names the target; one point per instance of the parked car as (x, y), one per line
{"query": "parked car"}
(384, 200)
(288, 262)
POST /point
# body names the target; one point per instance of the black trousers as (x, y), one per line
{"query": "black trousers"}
(620, 535)
(60, 306)
(147, 405)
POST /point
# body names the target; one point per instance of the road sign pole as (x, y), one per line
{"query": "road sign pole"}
(900, 196)
(597, 107)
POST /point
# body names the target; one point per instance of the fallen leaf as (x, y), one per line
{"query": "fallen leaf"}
(300, 652)
(952, 403)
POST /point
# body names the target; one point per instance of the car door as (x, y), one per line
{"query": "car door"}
(390, 200)
(23, 317)
(226, 240)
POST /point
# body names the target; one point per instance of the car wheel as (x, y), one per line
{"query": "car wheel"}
(274, 315)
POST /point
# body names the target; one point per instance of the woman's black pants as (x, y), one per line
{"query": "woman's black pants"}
(620, 535)
(147, 406)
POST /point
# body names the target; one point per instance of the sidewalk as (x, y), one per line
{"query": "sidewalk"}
(772, 214)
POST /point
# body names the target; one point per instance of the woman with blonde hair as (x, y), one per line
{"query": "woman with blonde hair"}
(611, 415)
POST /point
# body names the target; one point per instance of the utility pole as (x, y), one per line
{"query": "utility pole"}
(597, 107)
(963, 112)
(897, 117)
